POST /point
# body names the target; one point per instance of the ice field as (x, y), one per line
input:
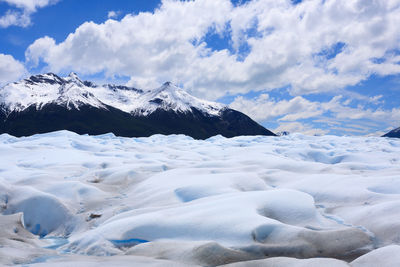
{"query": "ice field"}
(71, 200)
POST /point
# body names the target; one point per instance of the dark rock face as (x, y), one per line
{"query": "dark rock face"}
(94, 121)
(394, 133)
(43, 79)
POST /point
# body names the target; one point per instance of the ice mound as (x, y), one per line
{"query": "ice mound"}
(172, 200)
(202, 253)
(276, 218)
(284, 262)
(41, 213)
(382, 257)
(81, 261)
(370, 216)
(17, 245)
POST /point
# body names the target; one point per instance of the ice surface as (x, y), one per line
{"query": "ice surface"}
(283, 262)
(390, 254)
(294, 200)
(17, 245)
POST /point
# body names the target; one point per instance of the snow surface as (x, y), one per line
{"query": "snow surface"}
(71, 200)
(71, 92)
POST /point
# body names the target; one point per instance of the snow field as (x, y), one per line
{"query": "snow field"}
(275, 201)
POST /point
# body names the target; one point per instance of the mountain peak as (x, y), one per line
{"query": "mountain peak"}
(47, 78)
(73, 75)
(167, 84)
(88, 108)
(42, 89)
(49, 74)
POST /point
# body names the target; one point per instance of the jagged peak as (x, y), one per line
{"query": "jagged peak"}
(41, 89)
(74, 78)
(49, 78)
(167, 84)
(170, 88)
(49, 74)
(73, 75)
(172, 97)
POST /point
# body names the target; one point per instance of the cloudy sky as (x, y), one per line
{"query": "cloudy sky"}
(311, 66)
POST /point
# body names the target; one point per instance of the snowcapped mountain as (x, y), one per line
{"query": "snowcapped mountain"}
(71, 92)
(393, 133)
(47, 102)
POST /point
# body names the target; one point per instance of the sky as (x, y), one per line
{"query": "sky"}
(310, 66)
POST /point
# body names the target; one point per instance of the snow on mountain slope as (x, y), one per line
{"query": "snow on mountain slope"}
(46, 103)
(71, 92)
(74, 93)
(37, 90)
(168, 96)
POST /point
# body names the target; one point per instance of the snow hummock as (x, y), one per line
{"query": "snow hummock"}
(72, 92)
(295, 200)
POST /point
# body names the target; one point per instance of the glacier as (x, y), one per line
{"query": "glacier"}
(295, 200)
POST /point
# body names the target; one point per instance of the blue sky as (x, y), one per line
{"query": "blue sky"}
(316, 67)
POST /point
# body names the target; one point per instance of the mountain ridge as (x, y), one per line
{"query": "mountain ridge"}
(393, 133)
(71, 90)
(47, 102)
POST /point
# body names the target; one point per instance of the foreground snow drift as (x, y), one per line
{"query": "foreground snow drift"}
(172, 200)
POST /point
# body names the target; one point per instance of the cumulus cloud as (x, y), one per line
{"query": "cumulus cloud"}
(142, 46)
(297, 127)
(333, 113)
(113, 14)
(10, 69)
(265, 108)
(22, 16)
(312, 47)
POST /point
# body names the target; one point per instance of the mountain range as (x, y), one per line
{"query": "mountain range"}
(46, 102)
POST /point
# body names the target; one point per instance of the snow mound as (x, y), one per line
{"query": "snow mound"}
(17, 245)
(199, 253)
(284, 262)
(41, 213)
(382, 257)
(272, 219)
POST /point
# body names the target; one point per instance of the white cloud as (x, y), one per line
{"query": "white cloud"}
(10, 69)
(22, 17)
(379, 115)
(113, 14)
(287, 45)
(30, 5)
(145, 46)
(265, 108)
(334, 113)
(297, 127)
(15, 18)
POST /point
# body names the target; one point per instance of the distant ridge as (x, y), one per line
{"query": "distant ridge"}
(393, 133)
(47, 102)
